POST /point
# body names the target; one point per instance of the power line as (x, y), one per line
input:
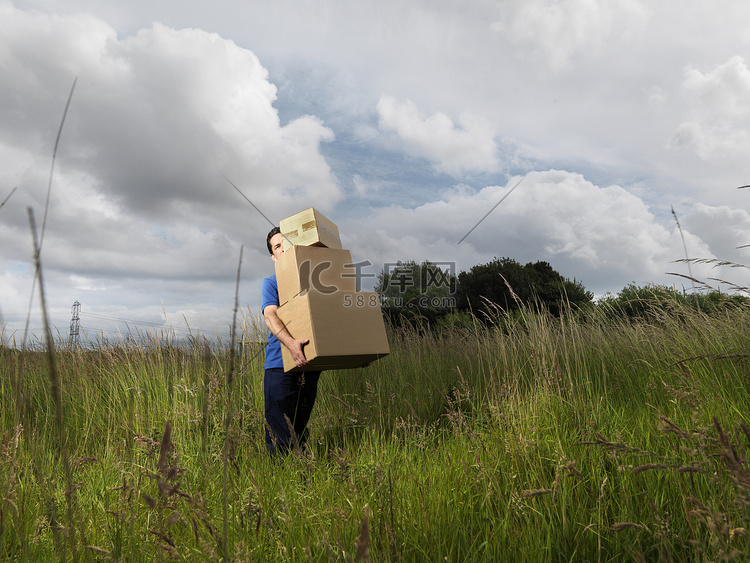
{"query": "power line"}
(491, 210)
(183, 330)
(129, 321)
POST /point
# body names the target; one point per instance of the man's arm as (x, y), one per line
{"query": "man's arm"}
(274, 324)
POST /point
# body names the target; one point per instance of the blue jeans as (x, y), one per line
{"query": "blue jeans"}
(288, 395)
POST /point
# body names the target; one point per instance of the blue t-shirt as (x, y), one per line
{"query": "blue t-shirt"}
(270, 296)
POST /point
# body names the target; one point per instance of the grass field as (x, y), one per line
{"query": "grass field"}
(584, 438)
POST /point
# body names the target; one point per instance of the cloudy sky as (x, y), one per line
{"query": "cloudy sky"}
(403, 121)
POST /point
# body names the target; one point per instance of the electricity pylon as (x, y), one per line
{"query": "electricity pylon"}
(75, 325)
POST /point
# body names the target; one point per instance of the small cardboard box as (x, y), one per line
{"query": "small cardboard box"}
(309, 228)
(314, 267)
(345, 329)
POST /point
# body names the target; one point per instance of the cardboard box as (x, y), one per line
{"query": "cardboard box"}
(309, 228)
(345, 329)
(314, 267)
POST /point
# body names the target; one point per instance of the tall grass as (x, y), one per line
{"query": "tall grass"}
(587, 437)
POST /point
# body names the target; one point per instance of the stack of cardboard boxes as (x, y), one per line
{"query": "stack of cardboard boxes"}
(319, 298)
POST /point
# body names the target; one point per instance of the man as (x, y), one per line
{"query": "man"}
(289, 396)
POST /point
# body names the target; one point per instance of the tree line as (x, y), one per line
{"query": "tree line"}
(427, 292)
(435, 294)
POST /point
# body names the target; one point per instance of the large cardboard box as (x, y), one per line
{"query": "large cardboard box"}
(345, 329)
(309, 228)
(314, 267)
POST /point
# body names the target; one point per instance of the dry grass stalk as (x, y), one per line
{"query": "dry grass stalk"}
(166, 447)
(8, 197)
(363, 541)
(98, 550)
(648, 466)
(614, 447)
(331, 552)
(224, 548)
(532, 493)
(293, 435)
(55, 390)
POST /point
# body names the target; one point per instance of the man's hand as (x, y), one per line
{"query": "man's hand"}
(274, 324)
(298, 354)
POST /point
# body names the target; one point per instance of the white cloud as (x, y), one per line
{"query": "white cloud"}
(453, 150)
(657, 96)
(717, 112)
(365, 189)
(140, 210)
(138, 199)
(561, 30)
(158, 116)
(603, 236)
(725, 230)
(88, 284)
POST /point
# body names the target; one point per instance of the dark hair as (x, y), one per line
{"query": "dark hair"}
(271, 233)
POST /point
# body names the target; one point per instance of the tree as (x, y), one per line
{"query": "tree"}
(653, 302)
(411, 292)
(506, 284)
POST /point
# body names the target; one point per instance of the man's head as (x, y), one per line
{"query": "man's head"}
(274, 242)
